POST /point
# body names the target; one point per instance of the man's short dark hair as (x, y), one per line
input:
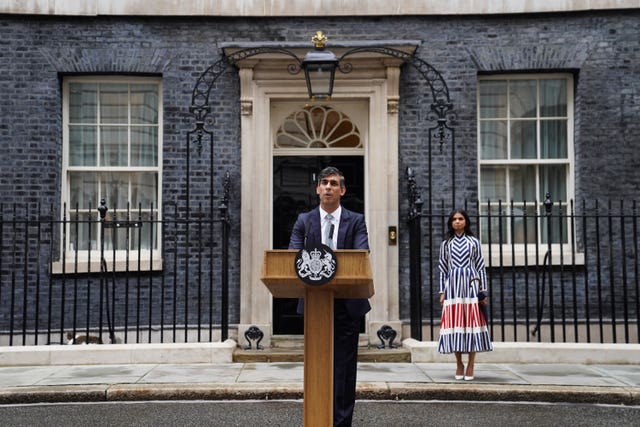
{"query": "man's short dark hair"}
(330, 170)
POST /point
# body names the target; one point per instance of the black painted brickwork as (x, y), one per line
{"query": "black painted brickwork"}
(602, 49)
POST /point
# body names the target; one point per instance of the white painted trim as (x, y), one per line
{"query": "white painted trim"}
(528, 352)
(85, 257)
(275, 8)
(109, 354)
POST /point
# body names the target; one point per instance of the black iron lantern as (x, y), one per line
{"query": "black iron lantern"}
(319, 67)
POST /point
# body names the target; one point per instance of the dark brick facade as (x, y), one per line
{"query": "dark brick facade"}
(601, 49)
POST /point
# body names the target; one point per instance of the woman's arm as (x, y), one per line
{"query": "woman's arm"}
(443, 267)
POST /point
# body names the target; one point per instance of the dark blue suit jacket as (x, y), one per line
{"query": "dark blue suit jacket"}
(352, 234)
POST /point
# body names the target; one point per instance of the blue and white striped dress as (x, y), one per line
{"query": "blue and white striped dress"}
(462, 275)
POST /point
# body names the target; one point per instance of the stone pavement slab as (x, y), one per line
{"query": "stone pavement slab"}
(391, 372)
(629, 375)
(224, 373)
(272, 372)
(564, 374)
(96, 374)
(14, 376)
(483, 373)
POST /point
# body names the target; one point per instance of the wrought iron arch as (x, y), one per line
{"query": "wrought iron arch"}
(441, 109)
(200, 107)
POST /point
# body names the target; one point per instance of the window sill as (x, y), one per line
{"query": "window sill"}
(84, 267)
(518, 259)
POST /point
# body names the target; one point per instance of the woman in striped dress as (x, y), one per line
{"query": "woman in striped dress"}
(463, 328)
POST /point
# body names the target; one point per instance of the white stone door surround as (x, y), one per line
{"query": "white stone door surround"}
(374, 84)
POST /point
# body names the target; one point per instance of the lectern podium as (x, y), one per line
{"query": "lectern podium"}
(353, 279)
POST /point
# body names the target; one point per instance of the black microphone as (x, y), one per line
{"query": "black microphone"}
(330, 242)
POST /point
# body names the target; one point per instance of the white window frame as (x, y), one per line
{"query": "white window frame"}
(85, 261)
(504, 255)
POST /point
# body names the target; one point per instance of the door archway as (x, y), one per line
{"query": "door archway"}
(372, 74)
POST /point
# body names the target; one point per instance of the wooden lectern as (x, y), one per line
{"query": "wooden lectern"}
(353, 279)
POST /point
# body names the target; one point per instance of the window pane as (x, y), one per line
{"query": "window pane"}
(83, 100)
(522, 183)
(553, 180)
(116, 238)
(493, 137)
(83, 190)
(558, 224)
(144, 146)
(82, 146)
(522, 98)
(144, 190)
(114, 188)
(141, 238)
(113, 146)
(114, 100)
(144, 104)
(553, 98)
(492, 229)
(493, 99)
(82, 231)
(523, 139)
(523, 223)
(493, 183)
(553, 139)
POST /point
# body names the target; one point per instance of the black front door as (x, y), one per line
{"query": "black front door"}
(294, 192)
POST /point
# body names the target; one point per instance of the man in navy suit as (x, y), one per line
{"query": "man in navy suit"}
(344, 230)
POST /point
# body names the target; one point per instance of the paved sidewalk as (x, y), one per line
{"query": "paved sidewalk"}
(610, 384)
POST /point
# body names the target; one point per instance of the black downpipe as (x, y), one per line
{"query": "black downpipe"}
(102, 209)
(415, 255)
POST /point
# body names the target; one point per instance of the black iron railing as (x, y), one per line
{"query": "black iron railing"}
(557, 271)
(114, 276)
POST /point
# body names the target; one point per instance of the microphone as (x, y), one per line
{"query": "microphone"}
(330, 237)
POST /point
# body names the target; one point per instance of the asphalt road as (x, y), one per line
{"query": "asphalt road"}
(289, 413)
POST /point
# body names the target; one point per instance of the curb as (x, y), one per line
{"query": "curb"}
(517, 393)
(365, 391)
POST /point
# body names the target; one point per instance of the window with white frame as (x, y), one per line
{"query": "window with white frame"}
(112, 151)
(525, 142)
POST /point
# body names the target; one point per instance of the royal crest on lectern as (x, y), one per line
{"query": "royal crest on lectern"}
(316, 265)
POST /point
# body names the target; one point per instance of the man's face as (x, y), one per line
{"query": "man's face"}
(330, 192)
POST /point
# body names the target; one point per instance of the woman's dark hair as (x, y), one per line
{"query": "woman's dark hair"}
(467, 223)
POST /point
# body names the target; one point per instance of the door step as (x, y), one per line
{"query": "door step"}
(365, 354)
